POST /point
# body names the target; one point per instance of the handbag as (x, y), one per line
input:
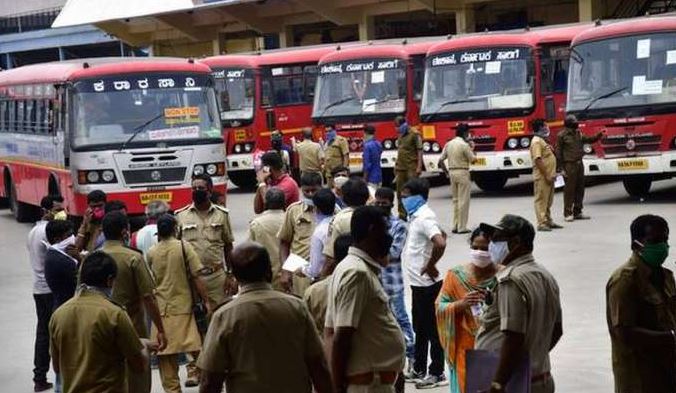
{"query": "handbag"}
(199, 309)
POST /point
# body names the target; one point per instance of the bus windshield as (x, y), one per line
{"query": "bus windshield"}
(360, 87)
(235, 88)
(623, 71)
(165, 108)
(478, 80)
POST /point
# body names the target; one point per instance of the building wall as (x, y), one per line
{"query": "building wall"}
(13, 7)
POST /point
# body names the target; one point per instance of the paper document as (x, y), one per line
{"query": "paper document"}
(294, 262)
(559, 182)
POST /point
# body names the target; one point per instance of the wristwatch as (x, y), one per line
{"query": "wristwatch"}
(497, 386)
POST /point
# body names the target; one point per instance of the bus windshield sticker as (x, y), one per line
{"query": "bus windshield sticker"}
(229, 74)
(369, 105)
(641, 86)
(361, 66)
(479, 56)
(671, 57)
(141, 82)
(186, 111)
(277, 71)
(378, 77)
(493, 67)
(174, 133)
(643, 49)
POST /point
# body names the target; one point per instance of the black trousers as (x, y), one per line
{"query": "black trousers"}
(573, 190)
(425, 328)
(43, 308)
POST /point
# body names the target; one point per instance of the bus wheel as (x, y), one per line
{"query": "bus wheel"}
(22, 211)
(245, 180)
(637, 186)
(491, 183)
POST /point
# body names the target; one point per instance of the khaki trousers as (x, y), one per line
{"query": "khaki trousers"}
(402, 178)
(573, 190)
(461, 186)
(544, 197)
(168, 366)
(214, 283)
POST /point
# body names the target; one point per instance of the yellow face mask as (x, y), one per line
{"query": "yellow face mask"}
(62, 215)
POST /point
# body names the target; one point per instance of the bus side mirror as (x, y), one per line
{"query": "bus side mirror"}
(270, 120)
(550, 110)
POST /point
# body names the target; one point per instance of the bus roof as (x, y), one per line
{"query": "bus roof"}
(295, 55)
(226, 61)
(633, 26)
(366, 51)
(421, 46)
(62, 71)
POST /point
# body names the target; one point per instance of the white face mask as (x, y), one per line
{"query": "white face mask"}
(63, 244)
(498, 251)
(480, 258)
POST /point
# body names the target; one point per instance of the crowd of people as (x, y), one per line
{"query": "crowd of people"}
(314, 299)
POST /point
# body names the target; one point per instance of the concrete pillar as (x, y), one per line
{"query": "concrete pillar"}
(62, 54)
(286, 37)
(8, 60)
(217, 45)
(589, 10)
(464, 20)
(367, 28)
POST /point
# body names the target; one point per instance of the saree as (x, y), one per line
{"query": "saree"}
(457, 329)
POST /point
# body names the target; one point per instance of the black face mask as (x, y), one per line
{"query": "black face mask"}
(570, 124)
(200, 196)
(277, 145)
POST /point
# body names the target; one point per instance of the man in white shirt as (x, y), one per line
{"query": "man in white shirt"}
(424, 247)
(37, 248)
(325, 205)
(146, 237)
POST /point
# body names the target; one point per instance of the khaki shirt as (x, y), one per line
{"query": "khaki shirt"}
(173, 289)
(299, 223)
(263, 341)
(91, 337)
(335, 153)
(310, 156)
(91, 234)
(132, 283)
(340, 225)
(316, 298)
(357, 299)
(539, 148)
(569, 144)
(207, 233)
(526, 300)
(407, 152)
(632, 300)
(458, 154)
(264, 229)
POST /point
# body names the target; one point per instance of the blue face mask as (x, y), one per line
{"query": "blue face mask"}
(331, 135)
(403, 128)
(413, 203)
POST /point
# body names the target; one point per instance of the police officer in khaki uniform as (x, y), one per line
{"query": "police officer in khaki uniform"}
(133, 288)
(263, 341)
(310, 153)
(641, 312)
(265, 227)
(455, 160)
(336, 152)
(544, 175)
(409, 157)
(296, 232)
(524, 310)
(569, 153)
(93, 342)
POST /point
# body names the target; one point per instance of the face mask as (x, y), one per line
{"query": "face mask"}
(61, 216)
(97, 214)
(498, 251)
(413, 203)
(570, 124)
(308, 201)
(200, 196)
(403, 128)
(63, 244)
(368, 137)
(655, 254)
(543, 132)
(480, 258)
(331, 135)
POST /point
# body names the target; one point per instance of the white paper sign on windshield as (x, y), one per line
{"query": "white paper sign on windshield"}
(640, 86)
(643, 49)
(174, 133)
(378, 77)
(671, 57)
(369, 105)
(493, 67)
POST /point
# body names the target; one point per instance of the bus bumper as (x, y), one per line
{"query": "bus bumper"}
(659, 164)
(430, 162)
(388, 159)
(240, 162)
(501, 161)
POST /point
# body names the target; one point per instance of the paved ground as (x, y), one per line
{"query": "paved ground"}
(581, 256)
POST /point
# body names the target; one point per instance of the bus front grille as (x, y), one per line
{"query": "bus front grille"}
(156, 176)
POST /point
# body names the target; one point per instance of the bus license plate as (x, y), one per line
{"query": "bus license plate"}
(355, 161)
(148, 197)
(480, 161)
(632, 165)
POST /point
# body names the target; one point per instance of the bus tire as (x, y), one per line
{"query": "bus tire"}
(23, 212)
(246, 180)
(637, 186)
(491, 182)
(4, 201)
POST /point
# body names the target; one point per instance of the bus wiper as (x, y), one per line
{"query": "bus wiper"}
(451, 102)
(378, 102)
(602, 97)
(336, 103)
(140, 129)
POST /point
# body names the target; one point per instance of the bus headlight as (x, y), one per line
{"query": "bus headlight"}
(93, 177)
(587, 148)
(512, 143)
(108, 176)
(427, 147)
(211, 169)
(238, 148)
(387, 144)
(525, 142)
(248, 147)
(198, 170)
(436, 147)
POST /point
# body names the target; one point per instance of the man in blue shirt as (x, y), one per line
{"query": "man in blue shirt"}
(373, 149)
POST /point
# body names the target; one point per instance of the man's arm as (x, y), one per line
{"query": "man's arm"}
(556, 335)
(286, 278)
(558, 152)
(151, 306)
(540, 165)
(259, 199)
(340, 353)
(398, 241)
(367, 162)
(211, 382)
(418, 168)
(438, 248)
(442, 160)
(592, 139)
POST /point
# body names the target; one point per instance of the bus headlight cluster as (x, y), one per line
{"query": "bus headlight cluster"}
(246, 147)
(512, 143)
(524, 142)
(436, 147)
(389, 144)
(515, 143)
(427, 147)
(211, 169)
(587, 148)
(98, 176)
(433, 147)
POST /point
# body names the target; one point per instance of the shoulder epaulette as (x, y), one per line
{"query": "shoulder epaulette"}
(184, 208)
(221, 208)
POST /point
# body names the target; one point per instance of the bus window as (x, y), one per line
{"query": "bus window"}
(418, 76)
(20, 107)
(266, 94)
(287, 85)
(310, 76)
(554, 67)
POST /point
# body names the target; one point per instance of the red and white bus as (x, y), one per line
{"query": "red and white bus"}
(623, 80)
(497, 83)
(370, 84)
(262, 93)
(137, 129)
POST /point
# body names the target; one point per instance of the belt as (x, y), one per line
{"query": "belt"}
(386, 378)
(458, 169)
(209, 270)
(541, 377)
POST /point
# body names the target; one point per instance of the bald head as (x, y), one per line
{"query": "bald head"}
(251, 263)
